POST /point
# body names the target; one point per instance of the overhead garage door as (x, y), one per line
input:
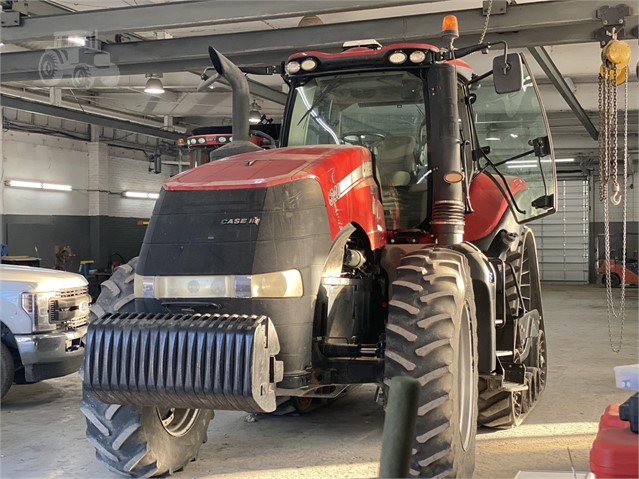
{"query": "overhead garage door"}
(562, 238)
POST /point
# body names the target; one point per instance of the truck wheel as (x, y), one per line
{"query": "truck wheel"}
(7, 370)
(431, 336)
(139, 441)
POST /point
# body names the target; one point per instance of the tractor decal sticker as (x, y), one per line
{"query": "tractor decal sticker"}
(241, 221)
(344, 186)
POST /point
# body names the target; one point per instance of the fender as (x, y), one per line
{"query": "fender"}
(491, 210)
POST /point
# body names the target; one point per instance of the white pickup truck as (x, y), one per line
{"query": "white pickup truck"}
(44, 315)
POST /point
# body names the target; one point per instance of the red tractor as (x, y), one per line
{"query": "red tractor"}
(205, 140)
(384, 238)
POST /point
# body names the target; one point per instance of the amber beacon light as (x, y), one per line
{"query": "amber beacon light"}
(450, 27)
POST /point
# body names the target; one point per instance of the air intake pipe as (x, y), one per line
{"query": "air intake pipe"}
(231, 73)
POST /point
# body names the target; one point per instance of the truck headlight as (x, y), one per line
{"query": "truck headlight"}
(36, 305)
(280, 284)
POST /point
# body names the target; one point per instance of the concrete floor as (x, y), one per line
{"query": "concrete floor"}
(42, 429)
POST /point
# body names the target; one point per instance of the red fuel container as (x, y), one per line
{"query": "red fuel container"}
(615, 451)
(610, 418)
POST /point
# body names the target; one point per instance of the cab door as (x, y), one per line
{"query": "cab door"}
(512, 145)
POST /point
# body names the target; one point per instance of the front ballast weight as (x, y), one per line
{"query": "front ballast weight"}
(199, 361)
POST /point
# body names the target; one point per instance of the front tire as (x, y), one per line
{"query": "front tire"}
(144, 441)
(139, 441)
(7, 370)
(431, 336)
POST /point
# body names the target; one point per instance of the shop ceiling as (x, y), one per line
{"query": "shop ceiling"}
(171, 38)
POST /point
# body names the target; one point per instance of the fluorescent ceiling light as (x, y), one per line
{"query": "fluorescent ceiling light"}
(52, 186)
(141, 195)
(37, 185)
(564, 160)
(493, 138)
(514, 135)
(77, 40)
(24, 184)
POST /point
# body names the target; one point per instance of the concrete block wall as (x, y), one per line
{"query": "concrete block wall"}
(93, 218)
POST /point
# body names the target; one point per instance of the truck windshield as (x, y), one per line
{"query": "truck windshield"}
(383, 111)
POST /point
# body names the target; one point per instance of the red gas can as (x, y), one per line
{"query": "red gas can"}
(615, 451)
(610, 418)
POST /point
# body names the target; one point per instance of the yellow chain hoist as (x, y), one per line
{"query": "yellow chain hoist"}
(614, 71)
(615, 57)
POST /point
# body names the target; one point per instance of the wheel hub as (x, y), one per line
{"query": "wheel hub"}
(177, 422)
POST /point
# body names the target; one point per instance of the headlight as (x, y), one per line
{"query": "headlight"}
(281, 284)
(417, 56)
(37, 307)
(201, 141)
(309, 64)
(292, 67)
(193, 141)
(222, 139)
(28, 302)
(397, 57)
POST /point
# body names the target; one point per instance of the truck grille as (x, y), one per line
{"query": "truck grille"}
(65, 308)
(72, 292)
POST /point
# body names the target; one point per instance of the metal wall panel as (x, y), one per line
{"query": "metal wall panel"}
(562, 238)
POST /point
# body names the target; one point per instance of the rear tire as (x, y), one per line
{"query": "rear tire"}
(139, 441)
(7, 370)
(431, 336)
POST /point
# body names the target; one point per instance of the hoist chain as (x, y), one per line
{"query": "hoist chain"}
(489, 9)
(608, 169)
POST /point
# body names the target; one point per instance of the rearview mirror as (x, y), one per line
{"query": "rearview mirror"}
(508, 73)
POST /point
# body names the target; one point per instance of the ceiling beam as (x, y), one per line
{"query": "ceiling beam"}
(556, 78)
(82, 117)
(524, 25)
(181, 15)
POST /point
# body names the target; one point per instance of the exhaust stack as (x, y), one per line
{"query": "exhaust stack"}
(231, 73)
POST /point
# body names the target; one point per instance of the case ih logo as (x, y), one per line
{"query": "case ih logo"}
(241, 221)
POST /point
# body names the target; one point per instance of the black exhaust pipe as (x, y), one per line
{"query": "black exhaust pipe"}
(447, 218)
(231, 73)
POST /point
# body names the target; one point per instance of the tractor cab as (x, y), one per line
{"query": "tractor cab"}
(382, 98)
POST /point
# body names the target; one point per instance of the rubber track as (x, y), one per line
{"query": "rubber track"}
(429, 289)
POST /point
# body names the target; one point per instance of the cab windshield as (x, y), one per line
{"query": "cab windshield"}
(383, 111)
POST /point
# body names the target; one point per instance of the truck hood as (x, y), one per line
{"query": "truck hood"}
(36, 280)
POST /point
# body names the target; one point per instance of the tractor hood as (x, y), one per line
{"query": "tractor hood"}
(328, 164)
